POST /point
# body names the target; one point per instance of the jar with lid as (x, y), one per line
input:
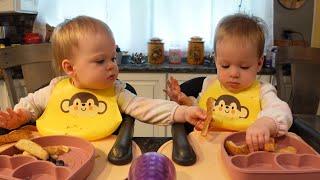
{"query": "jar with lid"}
(155, 51)
(195, 54)
(175, 54)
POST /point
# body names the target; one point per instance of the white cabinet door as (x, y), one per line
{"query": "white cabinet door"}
(147, 85)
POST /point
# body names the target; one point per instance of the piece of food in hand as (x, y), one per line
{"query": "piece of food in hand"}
(208, 120)
(270, 146)
(14, 136)
(57, 150)
(288, 149)
(29, 128)
(234, 149)
(32, 148)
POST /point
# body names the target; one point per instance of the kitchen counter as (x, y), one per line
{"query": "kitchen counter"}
(179, 68)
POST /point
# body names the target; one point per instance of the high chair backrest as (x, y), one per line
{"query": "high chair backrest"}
(36, 61)
(191, 87)
(305, 77)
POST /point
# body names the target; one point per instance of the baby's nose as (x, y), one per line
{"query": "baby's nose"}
(234, 73)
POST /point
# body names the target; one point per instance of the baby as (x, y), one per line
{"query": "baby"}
(241, 103)
(87, 101)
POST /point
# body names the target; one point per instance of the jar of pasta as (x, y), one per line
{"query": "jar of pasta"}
(195, 54)
(155, 51)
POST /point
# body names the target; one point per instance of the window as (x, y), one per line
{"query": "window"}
(134, 22)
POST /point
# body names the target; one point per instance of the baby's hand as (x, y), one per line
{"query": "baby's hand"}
(173, 91)
(194, 115)
(13, 119)
(259, 133)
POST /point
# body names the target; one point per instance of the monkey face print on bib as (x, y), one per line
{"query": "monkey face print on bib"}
(232, 111)
(90, 114)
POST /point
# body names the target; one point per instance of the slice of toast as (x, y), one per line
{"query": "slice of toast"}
(234, 149)
(32, 148)
(209, 119)
(14, 136)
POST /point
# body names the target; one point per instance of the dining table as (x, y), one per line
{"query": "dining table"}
(305, 126)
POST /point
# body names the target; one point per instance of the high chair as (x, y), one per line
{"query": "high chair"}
(183, 153)
(37, 67)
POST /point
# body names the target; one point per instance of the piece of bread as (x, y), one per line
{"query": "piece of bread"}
(208, 120)
(288, 149)
(14, 136)
(32, 148)
(270, 146)
(234, 149)
(57, 150)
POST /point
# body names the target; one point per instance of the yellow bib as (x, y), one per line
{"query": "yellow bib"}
(90, 114)
(232, 111)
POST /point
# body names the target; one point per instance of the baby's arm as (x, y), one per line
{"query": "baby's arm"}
(156, 111)
(274, 119)
(29, 107)
(174, 92)
(13, 119)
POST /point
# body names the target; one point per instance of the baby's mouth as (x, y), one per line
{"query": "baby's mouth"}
(111, 77)
(234, 83)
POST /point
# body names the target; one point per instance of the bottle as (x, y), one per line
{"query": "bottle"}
(119, 55)
(268, 59)
(274, 51)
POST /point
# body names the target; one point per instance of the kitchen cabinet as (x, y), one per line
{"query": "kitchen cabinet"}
(20, 6)
(148, 85)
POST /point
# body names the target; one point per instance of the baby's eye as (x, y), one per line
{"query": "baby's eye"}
(244, 67)
(114, 59)
(100, 61)
(225, 66)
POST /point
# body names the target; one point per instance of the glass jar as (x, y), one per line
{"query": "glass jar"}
(195, 54)
(175, 54)
(155, 51)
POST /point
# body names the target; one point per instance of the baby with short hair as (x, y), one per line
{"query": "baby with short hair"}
(241, 103)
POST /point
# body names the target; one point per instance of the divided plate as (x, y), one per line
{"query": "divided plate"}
(78, 161)
(305, 164)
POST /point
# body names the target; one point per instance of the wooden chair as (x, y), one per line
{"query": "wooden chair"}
(305, 78)
(36, 63)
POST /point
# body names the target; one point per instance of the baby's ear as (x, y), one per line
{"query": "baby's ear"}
(67, 67)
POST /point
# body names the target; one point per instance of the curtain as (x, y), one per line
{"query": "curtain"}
(134, 22)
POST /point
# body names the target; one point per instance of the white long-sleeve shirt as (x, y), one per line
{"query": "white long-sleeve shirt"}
(271, 105)
(152, 111)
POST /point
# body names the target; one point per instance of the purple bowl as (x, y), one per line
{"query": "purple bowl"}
(152, 166)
